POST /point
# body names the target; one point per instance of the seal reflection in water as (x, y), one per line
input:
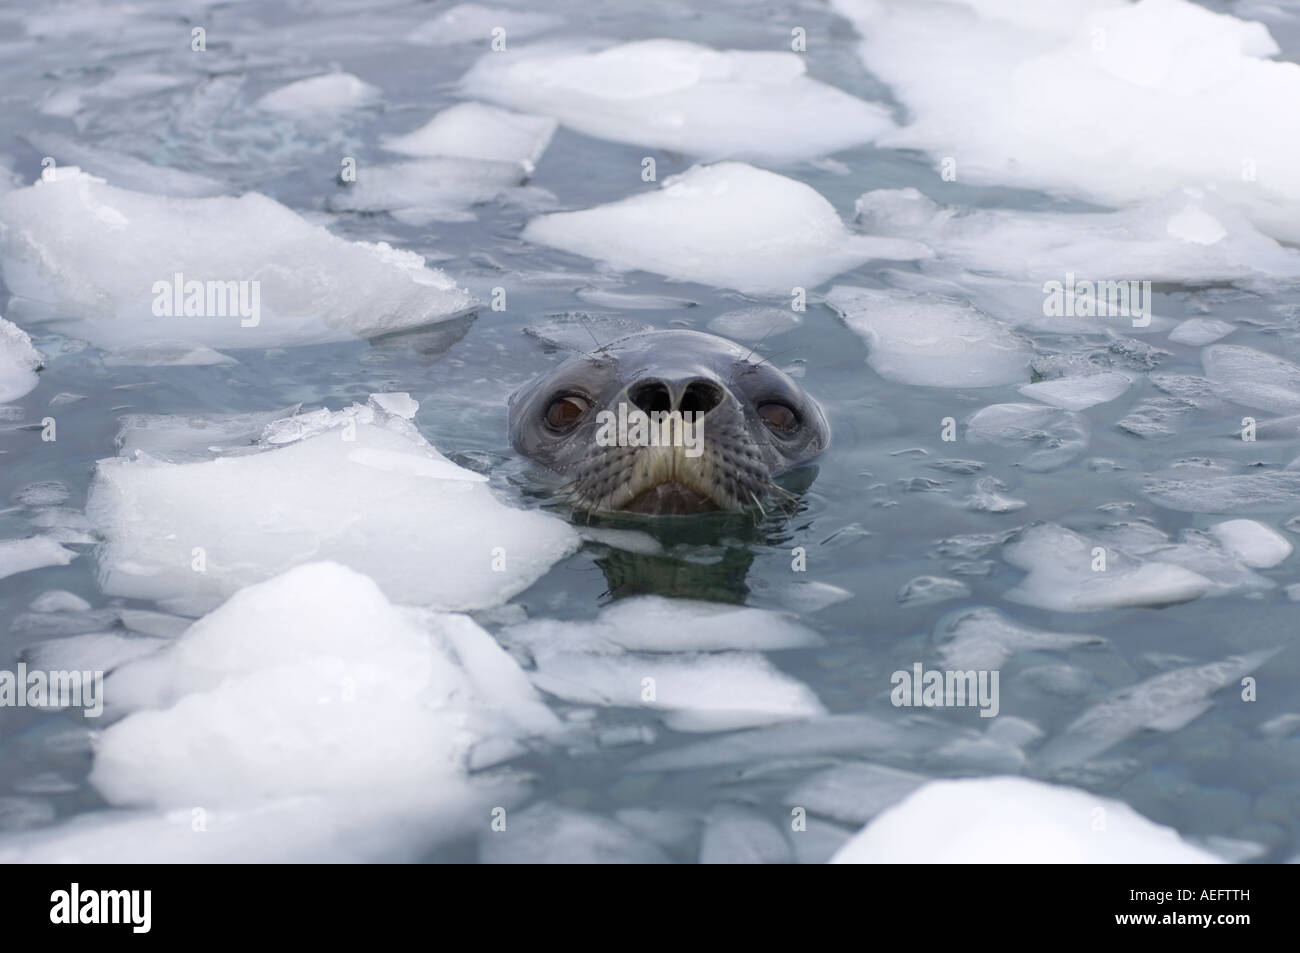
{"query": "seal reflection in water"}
(667, 422)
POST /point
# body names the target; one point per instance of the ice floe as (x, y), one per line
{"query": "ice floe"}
(680, 96)
(1268, 492)
(854, 793)
(696, 663)
(728, 224)
(1254, 378)
(740, 835)
(1063, 574)
(358, 486)
(984, 86)
(931, 341)
(441, 189)
(19, 361)
(1014, 820)
(34, 552)
(106, 261)
(310, 695)
(471, 22)
(1052, 436)
(328, 93)
(1198, 332)
(478, 131)
(1165, 702)
(983, 638)
(1252, 542)
(1079, 393)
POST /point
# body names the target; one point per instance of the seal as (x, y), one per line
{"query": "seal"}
(667, 422)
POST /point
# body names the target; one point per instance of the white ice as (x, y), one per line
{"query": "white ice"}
(308, 695)
(473, 22)
(983, 638)
(94, 254)
(701, 659)
(1052, 436)
(1254, 378)
(730, 225)
(854, 793)
(1255, 544)
(19, 361)
(328, 93)
(1061, 575)
(1165, 702)
(983, 83)
(436, 190)
(554, 834)
(359, 486)
(1014, 820)
(477, 131)
(682, 97)
(1079, 393)
(931, 341)
(34, 552)
(1198, 332)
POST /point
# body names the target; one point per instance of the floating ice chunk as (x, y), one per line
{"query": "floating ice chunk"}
(552, 834)
(700, 692)
(931, 341)
(1079, 393)
(986, 86)
(656, 624)
(1200, 331)
(1165, 702)
(1013, 820)
(1254, 378)
(635, 302)
(754, 324)
(471, 22)
(1150, 242)
(104, 258)
(476, 131)
(924, 590)
(359, 486)
(311, 683)
(34, 552)
(1062, 574)
(670, 94)
(984, 638)
(328, 93)
(19, 362)
(854, 793)
(1059, 435)
(125, 171)
(93, 652)
(440, 189)
(1252, 492)
(740, 835)
(176, 438)
(1255, 544)
(59, 600)
(987, 497)
(729, 225)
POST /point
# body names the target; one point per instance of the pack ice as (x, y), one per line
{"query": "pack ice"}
(984, 82)
(103, 261)
(476, 131)
(359, 486)
(327, 93)
(671, 94)
(1013, 820)
(19, 362)
(730, 225)
(310, 718)
(932, 341)
(697, 663)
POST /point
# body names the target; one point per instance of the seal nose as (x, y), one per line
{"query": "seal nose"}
(698, 396)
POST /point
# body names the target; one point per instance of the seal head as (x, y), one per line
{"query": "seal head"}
(667, 422)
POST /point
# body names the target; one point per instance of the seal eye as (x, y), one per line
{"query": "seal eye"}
(779, 417)
(565, 411)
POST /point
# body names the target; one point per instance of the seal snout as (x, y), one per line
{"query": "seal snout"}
(667, 422)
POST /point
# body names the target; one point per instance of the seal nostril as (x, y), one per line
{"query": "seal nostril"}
(651, 396)
(700, 397)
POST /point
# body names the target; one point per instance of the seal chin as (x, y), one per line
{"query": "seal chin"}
(672, 499)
